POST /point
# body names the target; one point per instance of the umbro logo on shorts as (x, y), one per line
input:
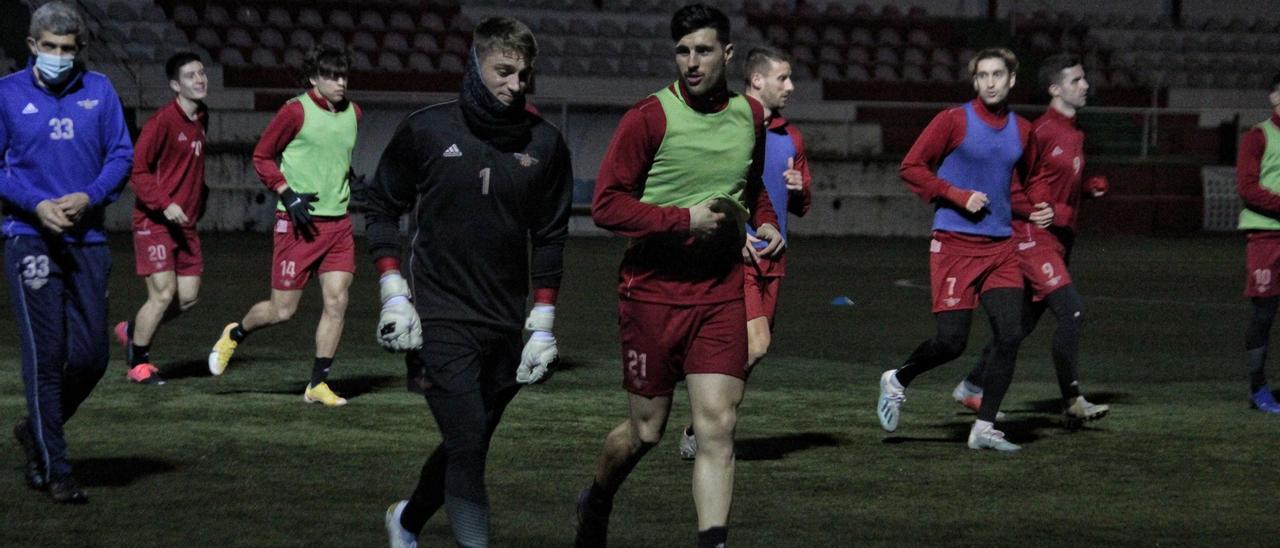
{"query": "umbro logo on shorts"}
(30, 109)
(452, 151)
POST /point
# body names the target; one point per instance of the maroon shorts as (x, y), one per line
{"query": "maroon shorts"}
(1262, 259)
(957, 280)
(162, 248)
(761, 295)
(1043, 262)
(296, 258)
(662, 343)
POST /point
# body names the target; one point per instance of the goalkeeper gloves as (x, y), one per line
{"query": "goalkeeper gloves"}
(540, 351)
(399, 329)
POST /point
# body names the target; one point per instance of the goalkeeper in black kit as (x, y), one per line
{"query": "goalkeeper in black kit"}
(490, 186)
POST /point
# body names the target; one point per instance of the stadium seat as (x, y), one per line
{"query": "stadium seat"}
(913, 56)
(830, 72)
(942, 56)
(462, 23)
(309, 18)
(455, 43)
(451, 63)
(941, 73)
(610, 28)
(185, 16)
(553, 25)
(803, 54)
(776, 34)
(920, 38)
(831, 54)
(279, 18)
(153, 14)
(835, 11)
(805, 35)
(857, 73)
(913, 73)
(271, 38)
(238, 37)
(637, 29)
(608, 47)
(333, 38)
(432, 23)
(401, 21)
(425, 43)
(301, 39)
(364, 41)
(420, 62)
(248, 17)
(636, 48)
(231, 57)
(395, 42)
(602, 66)
(801, 72)
(360, 61)
(575, 46)
(216, 16)
(341, 20)
(208, 39)
(122, 12)
(888, 37)
(887, 56)
(860, 36)
(859, 55)
(372, 21)
(265, 58)
(633, 67)
(294, 57)
(832, 35)
(390, 62)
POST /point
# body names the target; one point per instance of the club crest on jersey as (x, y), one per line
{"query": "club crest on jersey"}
(182, 137)
(30, 109)
(88, 104)
(1057, 151)
(526, 160)
(453, 151)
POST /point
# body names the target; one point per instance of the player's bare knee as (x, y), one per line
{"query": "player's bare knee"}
(162, 298)
(187, 303)
(282, 313)
(335, 305)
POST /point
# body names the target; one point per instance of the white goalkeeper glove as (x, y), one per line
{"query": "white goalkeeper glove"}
(540, 351)
(399, 329)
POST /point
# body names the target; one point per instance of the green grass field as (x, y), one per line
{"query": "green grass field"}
(240, 460)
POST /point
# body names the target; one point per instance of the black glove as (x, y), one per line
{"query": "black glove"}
(299, 208)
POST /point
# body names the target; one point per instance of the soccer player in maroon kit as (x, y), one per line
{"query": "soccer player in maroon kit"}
(786, 179)
(312, 135)
(964, 163)
(681, 197)
(1258, 182)
(168, 182)
(1055, 163)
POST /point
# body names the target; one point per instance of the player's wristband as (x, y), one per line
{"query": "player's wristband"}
(387, 264)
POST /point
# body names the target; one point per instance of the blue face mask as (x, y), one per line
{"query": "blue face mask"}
(53, 68)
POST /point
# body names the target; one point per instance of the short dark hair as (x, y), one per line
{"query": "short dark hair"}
(1003, 54)
(693, 17)
(174, 65)
(759, 58)
(504, 34)
(1052, 67)
(326, 61)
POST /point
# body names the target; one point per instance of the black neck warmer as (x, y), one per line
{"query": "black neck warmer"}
(506, 127)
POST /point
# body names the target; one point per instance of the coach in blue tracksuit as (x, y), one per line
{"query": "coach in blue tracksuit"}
(64, 155)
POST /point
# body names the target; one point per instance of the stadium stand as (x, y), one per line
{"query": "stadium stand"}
(872, 73)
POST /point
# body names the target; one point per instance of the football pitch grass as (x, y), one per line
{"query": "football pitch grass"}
(240, 460)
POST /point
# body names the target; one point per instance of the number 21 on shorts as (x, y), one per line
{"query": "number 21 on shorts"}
(636, 364)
